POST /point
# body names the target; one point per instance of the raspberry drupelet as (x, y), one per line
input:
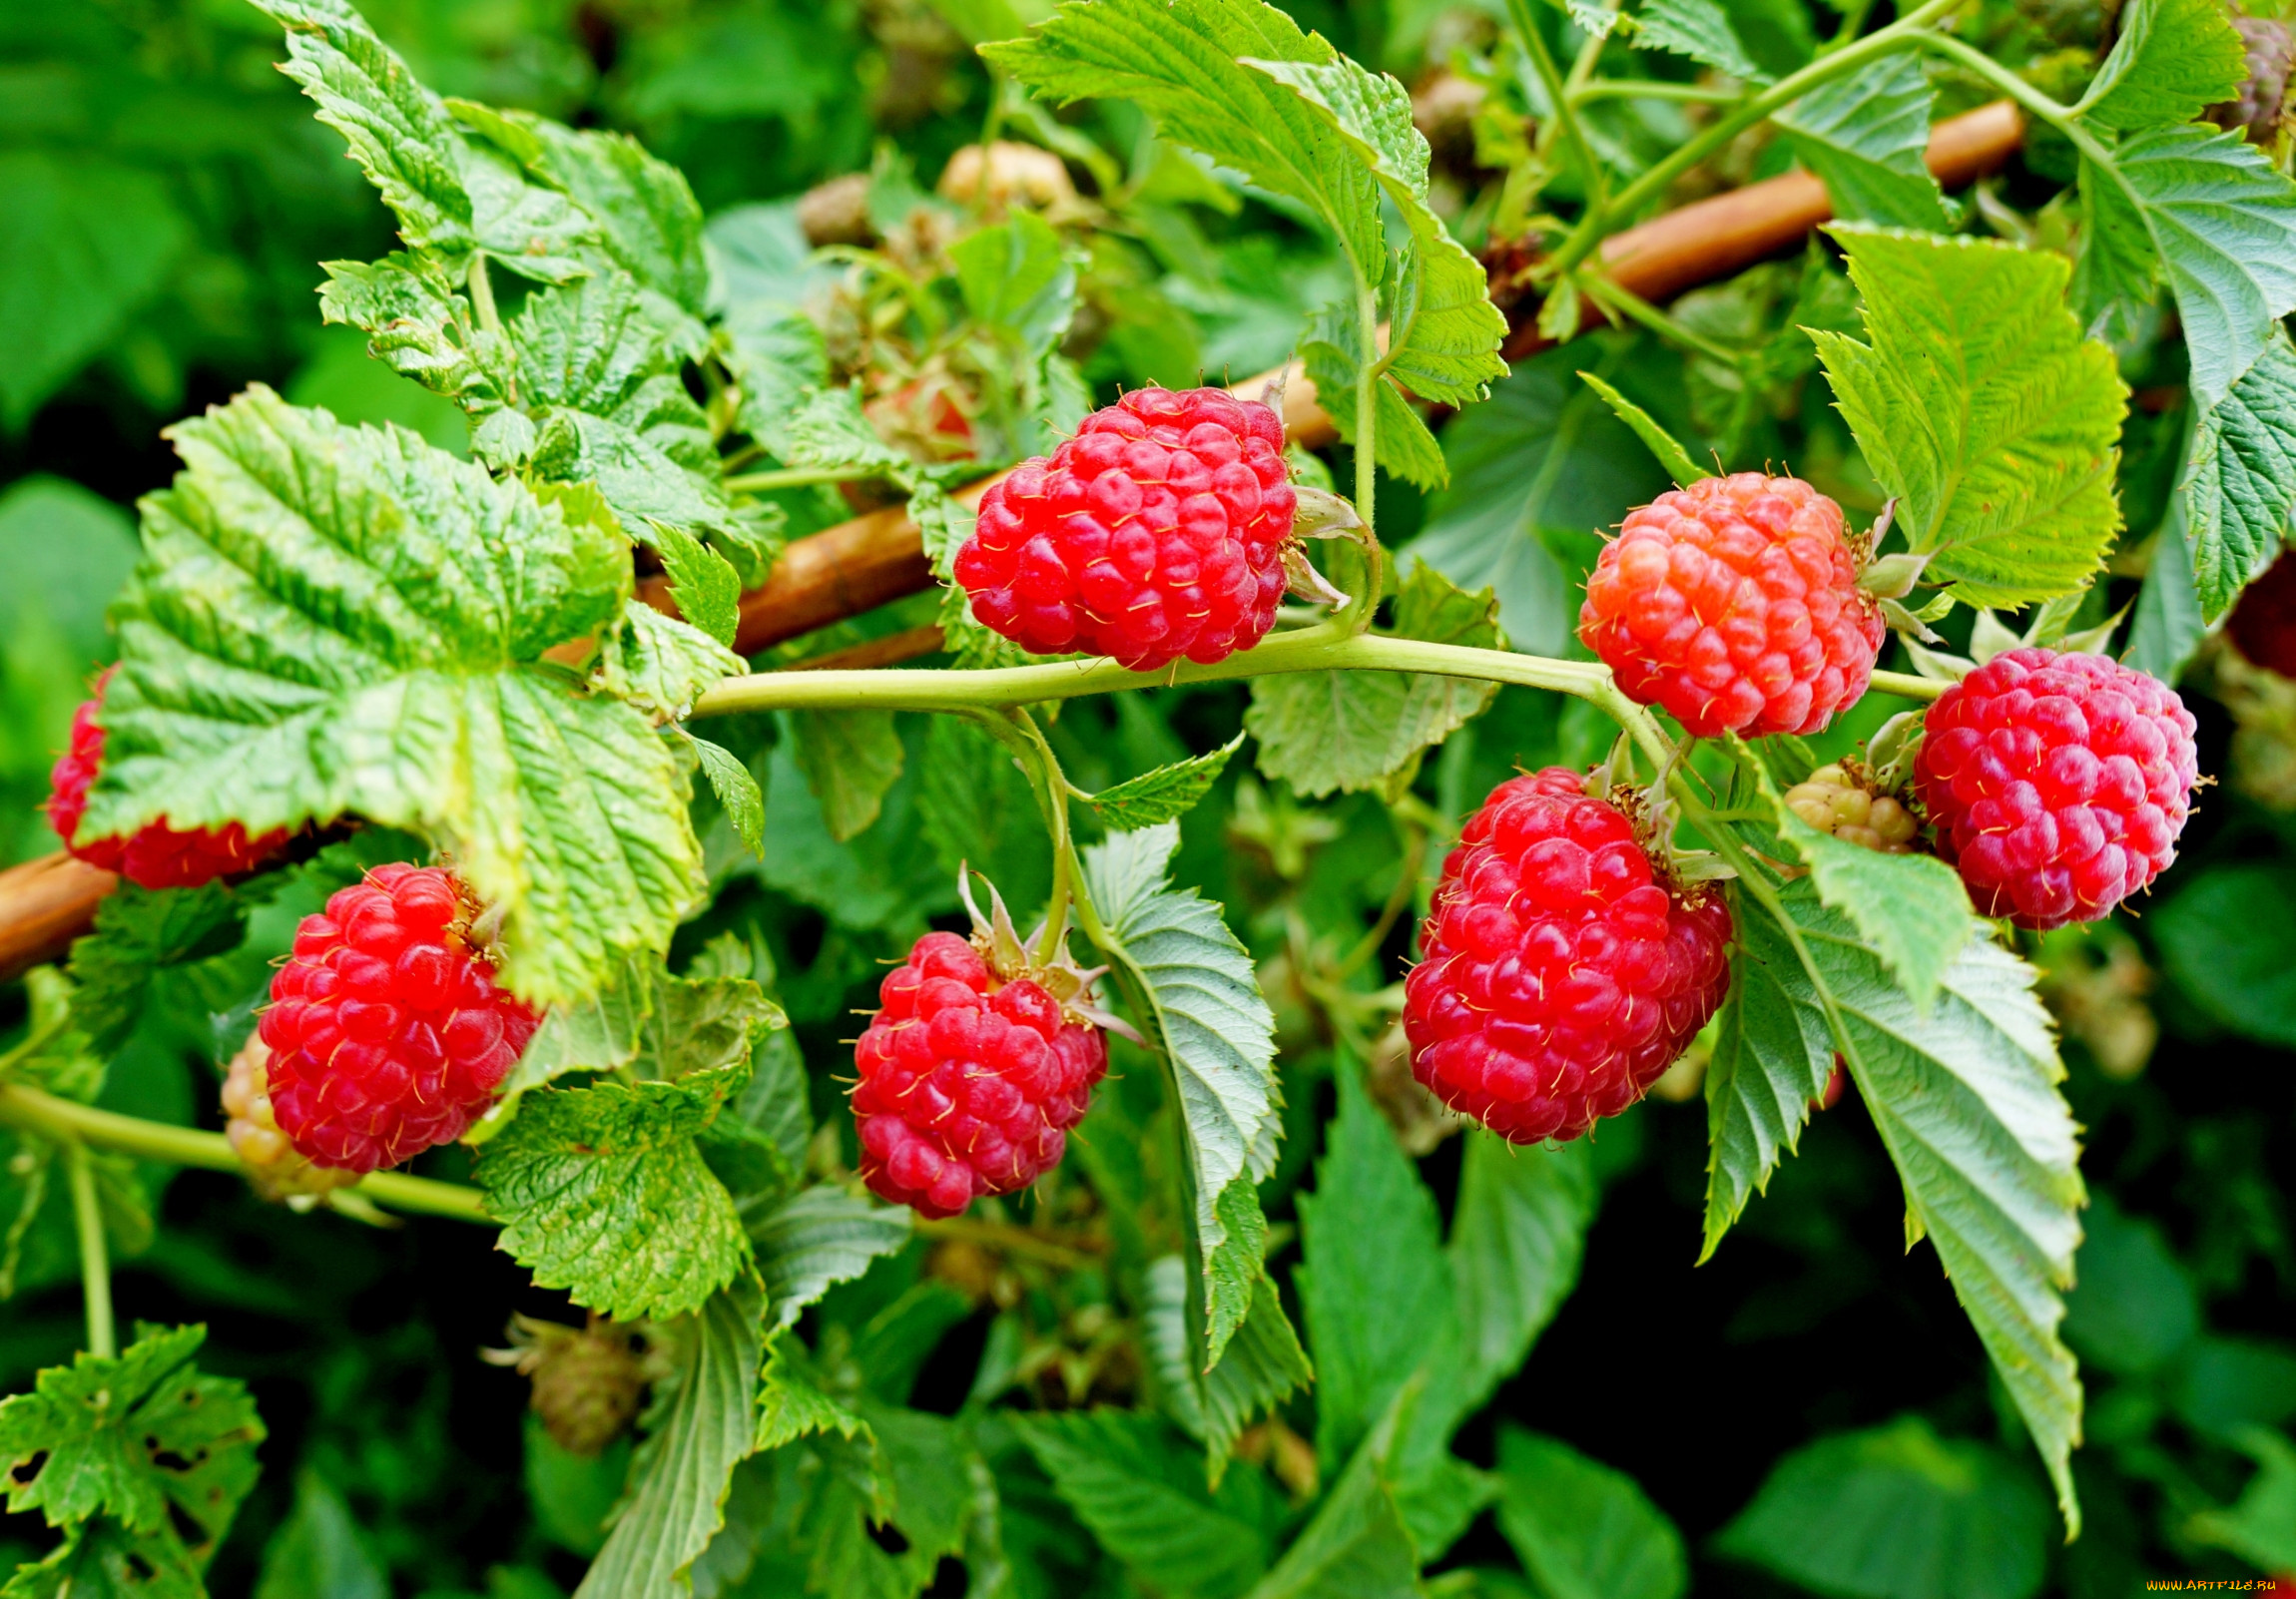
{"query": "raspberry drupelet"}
(2058, 784)
(1561, 973)
(156, 856)
(387, 1031)
(968, 1083)
(1156, 533)
(1734, 605)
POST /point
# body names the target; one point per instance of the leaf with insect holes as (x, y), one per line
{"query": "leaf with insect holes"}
(334, 620)
(1164, 794)
(1980, 405)
(602, 1191)
(1352, 730)
(1968, 1103)
(2172, 60)
(1218, 1034)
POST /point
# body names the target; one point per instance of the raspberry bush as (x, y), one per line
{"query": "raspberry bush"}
(548, 754)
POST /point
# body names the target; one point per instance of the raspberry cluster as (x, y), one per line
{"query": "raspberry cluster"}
(274, 1167)
(2058, 784)
(1157, 532)
(388, 1032)
(1734, 605)
(1562, 973)
(969, 1084)
(154, 856)
(1832, 801)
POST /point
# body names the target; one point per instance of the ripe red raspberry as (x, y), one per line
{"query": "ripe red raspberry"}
(968, 1082)
(2058, 784)
(1734, 605)
(1156, 532)
(1561, 973)
(154, 856)
(386, 1030)
(2263, 624)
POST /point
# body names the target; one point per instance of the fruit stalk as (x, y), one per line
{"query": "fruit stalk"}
(95, 1261)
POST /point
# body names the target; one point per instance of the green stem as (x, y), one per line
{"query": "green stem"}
(792, 477)
(1364, 603)
(1911, 27)
(1014, 1240)
(1853, 19)
(1635, 308)
(1651, 89)
(1067, 880)
(95, 1263)
(2063, 118)
(1596, 215)
(69, 1122)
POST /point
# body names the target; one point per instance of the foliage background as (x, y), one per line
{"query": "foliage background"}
(163, 199)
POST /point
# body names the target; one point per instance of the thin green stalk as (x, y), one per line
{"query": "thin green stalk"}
(482, 294)
(1652, 89)
(1067, 879)
(1635, 308)
(1364, 603)
(95, 1263)
(69, 1122)
(2063, 118)
(792, 477)
(1852, 20)
(1596, 217)
(1908, 28)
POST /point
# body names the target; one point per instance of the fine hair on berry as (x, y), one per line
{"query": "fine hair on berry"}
(967, 1083)
(1733, 605)
(2058, 784)
(387, 1031)
(1156, 533)
(155, 856)
(1562, 971)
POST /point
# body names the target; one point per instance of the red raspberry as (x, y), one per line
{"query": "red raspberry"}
(386, 1030)
(2058, 784)
(969, 1085)
(2263, 624)
(1734, 605)
(1156, 532)
(1560, 974)
(154, 856)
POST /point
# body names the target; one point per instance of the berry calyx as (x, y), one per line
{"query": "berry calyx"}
(1833, 799)
(2058, 784)
(387, 1031)
(1734, 605)
(1157, 532)
(155, 856)
(975, 1068)
(1563, 969)
(275, 1168)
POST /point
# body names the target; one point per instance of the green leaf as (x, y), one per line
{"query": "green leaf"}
(2133, 1309)
(2241, 482)
(1582, 1529)
(1865, 136)
(1662, 445)
(1542, 464)
(702, 584)
(1261, 1365)
(2173, 60)
(1218, 1035)
(980, 810)
(850, 758)
(317, 1552)
(2258, 1527)
(1181, 63)
(2224, 941)
(1980, 404)
(1771, 1059)
(1699, 29)
(1164, 794)
(662, 665)
(141, 1439)
(420, 323)
(1913, 911)
(678, 1476)
(2222, 220)
(1444, 334)
(1140, 1489)
(2115, 269)
(1966, 1102)
(792, 1404)
(738, 792)
(1518, 1236)
(140, 933)
(85, 244)
(2166, 628)
(602, 1191)
(1333, 350)
(337, 621)
(1017, 277)
(1357, 1545)
(886, 878)
(100, 1559)
(1326, 731)
(1897, 1511)
(1373, 1281)
(910, 1473)
(818, 1236)
(647, 487)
